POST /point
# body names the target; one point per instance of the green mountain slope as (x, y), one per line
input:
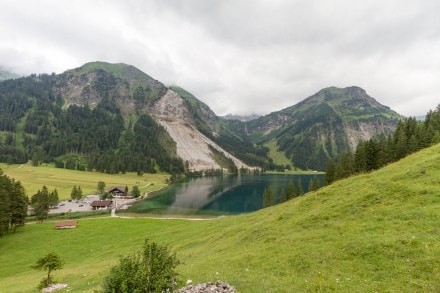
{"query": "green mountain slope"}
(92, 111)
(93, 117)
(376, 232)
(324, 125)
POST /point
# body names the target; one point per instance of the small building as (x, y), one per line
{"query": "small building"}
(117, 191)
(66, 225)
(101, 204)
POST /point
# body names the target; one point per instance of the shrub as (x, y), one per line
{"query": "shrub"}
(150, 270)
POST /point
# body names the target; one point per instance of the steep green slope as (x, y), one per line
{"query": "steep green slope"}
(376, 232)
(324, 125)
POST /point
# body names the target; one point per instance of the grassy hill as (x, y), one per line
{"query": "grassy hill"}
(377, 232)
(33, 179)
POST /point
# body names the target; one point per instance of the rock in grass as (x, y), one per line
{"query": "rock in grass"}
(54, 287)
(217, 287)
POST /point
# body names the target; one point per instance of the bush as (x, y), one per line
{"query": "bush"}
(150, 270)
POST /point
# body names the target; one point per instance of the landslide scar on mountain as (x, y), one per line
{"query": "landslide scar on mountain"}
(171, 112)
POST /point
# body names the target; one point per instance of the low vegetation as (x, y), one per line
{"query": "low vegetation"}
(375, 232)
(153, 269)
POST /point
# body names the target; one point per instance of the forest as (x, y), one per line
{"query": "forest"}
(34, 126)
(409, 137)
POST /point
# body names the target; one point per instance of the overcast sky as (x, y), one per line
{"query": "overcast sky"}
(239, 57)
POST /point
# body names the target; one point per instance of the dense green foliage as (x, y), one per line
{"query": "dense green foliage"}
(409, 137)
(37, 127)
(42, 201)
(13, 204)
(76, 193)
(148, 271)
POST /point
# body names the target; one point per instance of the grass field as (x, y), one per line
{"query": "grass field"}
(33, 179)
(377, 232)
(277, 156)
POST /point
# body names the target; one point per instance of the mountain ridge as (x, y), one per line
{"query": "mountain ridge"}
(332, 121)
(124, 89)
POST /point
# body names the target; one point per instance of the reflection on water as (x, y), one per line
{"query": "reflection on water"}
(218, 195)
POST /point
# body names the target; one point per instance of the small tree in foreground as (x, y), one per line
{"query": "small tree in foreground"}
(150, 270)
(50, 263)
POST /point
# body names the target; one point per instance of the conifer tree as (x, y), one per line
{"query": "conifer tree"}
(330, 172)
(313, 184)
(40, 204)
(300, 187)
(268, 198)
(291, 192)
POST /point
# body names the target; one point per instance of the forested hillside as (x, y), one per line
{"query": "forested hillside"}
(410, 136)
(103, 117)
(40, 120)
(323, 126)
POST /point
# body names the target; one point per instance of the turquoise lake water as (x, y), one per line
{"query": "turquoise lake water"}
(232, 194)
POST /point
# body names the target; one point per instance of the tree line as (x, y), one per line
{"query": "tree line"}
(409, 137)
(13, 204)
(293, 190)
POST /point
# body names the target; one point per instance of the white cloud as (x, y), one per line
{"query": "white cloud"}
(239, 56)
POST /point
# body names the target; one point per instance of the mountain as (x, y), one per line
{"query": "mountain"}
(112, 118)
(324, 125)
(115, 118)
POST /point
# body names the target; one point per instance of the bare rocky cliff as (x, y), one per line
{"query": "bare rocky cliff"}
(192, 146)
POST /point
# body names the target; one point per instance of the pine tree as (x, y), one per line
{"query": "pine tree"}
(268, 198)
(74, 193)
(314, 184)
(53, 198)
(290, 192)
(300, 187)
(283, 197)
(330, 172)
(18, 207)
(40, 204)
(79, 193)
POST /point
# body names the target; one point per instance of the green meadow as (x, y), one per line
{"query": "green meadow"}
(377, 232)
(33, 179)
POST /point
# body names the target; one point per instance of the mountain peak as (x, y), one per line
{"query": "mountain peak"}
(119, 70)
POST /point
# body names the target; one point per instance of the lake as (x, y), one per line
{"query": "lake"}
(223, 195)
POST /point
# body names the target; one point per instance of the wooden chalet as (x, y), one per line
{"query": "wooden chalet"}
(117, 191)
(66, 225)
(101, 204)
